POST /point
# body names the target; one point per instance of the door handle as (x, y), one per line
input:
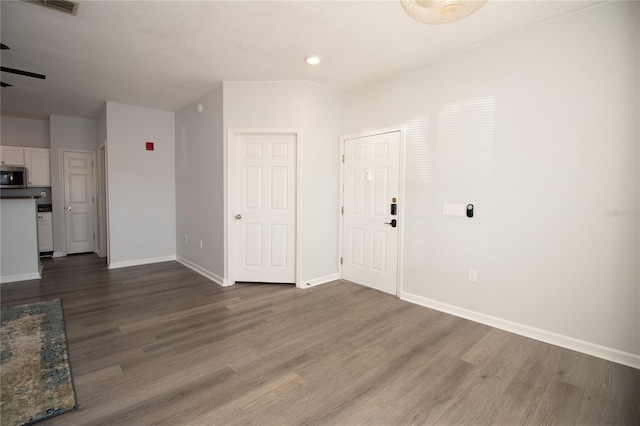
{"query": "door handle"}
(238, 216)
(393, 223)
(67, 208)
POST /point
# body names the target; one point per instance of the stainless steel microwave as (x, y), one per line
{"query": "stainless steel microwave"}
(13, 177)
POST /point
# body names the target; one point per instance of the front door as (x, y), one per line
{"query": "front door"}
(371, 186)
(78, 202)
(265, 207)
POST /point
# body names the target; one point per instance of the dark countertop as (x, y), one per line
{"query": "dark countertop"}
(19, 197)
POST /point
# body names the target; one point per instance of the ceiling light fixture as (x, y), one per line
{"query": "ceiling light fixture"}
(440, 11)
(312, 59)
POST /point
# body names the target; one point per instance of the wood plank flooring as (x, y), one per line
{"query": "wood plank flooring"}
(159, 344)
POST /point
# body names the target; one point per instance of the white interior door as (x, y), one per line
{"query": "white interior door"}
(265, 208)
(371, 183)
(78, 202)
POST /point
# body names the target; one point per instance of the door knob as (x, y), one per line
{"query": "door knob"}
(238, 216)
(67, 208)
(393, 223)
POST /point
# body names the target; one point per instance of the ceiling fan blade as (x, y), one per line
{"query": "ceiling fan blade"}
(3, 46)
(3, 84)
(25, 73)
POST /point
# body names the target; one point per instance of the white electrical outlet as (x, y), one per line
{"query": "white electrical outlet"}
(185, 239)
(453, 209)
(472, 275)
(200, 243)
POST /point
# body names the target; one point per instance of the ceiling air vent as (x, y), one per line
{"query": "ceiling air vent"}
(68, 6)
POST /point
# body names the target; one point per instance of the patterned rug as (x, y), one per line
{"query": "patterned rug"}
(36, 380)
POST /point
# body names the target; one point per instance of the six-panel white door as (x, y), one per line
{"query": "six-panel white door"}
(78, 202)
(371, 182)
(265, 208)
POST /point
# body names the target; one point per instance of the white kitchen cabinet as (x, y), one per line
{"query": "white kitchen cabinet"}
(37, 161)
(45, 231)
(12, 156)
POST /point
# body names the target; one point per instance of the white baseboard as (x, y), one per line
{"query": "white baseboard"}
(127, 263)
(204, 272)
(21, 277)
(604, 352)
(58, 254)
(320, 280)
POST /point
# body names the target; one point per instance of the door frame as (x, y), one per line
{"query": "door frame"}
(401, 204)
(230, 197)
(64, 192)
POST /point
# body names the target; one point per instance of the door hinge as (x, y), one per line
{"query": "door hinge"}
(341, 261)
(343, 158)
(342, 210)
(94, 236)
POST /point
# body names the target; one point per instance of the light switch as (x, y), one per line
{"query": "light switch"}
(368, 175)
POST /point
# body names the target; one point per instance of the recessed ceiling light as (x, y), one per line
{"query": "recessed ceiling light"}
(312, 59)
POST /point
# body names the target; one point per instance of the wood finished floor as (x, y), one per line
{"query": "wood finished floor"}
(160, 344)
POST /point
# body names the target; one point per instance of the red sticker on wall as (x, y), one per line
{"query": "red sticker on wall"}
(149, 146)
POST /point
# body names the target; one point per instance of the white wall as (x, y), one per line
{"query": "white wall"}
(539, 130)
(72, 133)
(24, 132)
(101, 127)
(141, 192)
(320, 183)
(67, 133)
(199, 185)
(316, 111)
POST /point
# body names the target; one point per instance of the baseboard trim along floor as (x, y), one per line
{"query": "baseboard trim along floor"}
(138, 262)
(320, 280)
(610, 354)
(202, 271)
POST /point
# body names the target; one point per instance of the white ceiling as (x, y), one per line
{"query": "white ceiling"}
(166, 54)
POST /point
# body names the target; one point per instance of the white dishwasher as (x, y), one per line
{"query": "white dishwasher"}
(45, 230)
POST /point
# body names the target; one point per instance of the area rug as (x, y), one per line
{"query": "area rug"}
(35, 375)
